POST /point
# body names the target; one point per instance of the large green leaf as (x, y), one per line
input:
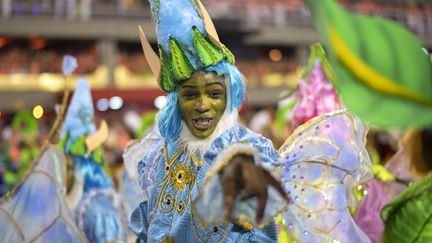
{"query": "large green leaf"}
(408, 217)
(382, 72)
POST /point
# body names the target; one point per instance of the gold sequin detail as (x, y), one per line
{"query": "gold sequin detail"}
(167, 204)
(180, 207)
(181, 176)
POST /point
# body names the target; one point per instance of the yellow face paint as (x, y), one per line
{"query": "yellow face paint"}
(202, 100)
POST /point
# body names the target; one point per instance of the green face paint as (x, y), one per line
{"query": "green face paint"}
(202, 100)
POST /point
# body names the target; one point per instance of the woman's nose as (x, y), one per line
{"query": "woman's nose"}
(202, 105)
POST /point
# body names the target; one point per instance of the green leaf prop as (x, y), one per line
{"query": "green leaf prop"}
(78, 148)
(408, 217)
(181, 67)
(209, 53)
(383, 74)
(166, 79)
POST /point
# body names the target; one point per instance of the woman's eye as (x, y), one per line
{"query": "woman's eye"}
(215, 94)
(189, 95)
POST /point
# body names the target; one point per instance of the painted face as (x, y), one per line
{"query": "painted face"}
(202, 100)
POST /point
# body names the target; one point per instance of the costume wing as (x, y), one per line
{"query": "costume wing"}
(36, 211)
(323, 161)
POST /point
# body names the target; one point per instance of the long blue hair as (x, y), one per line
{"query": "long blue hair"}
(170, 117)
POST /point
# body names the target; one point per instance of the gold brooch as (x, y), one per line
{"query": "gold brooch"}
(181, 176)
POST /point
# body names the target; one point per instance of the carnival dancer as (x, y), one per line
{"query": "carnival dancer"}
(206, 178)
(96, 205)
(36, 210)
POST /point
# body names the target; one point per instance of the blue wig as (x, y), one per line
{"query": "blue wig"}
(170, 117)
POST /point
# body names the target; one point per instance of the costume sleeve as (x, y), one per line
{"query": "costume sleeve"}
(209, 203)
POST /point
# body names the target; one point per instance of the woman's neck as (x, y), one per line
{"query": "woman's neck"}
(199, 146)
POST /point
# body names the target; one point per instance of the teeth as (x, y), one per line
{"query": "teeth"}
(202, 119)
(202, 123)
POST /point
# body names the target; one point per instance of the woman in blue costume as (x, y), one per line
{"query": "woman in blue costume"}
(92, 197)
(205, 178)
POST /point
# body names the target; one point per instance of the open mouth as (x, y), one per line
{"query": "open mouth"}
(202, 123)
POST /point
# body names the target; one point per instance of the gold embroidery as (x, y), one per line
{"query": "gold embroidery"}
(167, 204)
(181, 176)
(170, 161)
(158, 201)
(196, 161)
(181, 205)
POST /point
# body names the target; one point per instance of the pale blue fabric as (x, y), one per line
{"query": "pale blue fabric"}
(152, 221)
(37, 211)
(100, 218)
(101, 221)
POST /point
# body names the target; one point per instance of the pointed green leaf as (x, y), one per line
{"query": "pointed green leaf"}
(166, 80)
(208, 52)
(181, 67)
(383, 74)
(78, 146)
(408, 218)
(98, 156)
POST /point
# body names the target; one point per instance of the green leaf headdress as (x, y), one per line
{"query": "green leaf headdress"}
(187, 41)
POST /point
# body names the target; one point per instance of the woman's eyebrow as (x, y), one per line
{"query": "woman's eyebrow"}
(214, 83)
(188, 87)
